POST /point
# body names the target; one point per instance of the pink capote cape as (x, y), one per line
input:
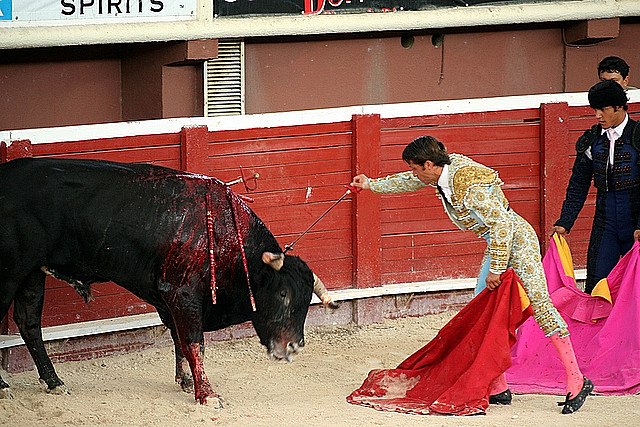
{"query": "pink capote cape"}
(452, 373)
(604, 328)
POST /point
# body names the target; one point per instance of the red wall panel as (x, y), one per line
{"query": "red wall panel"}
(303, 170)
(418, 237)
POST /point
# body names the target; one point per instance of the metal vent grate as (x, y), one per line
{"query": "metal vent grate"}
(224, 80)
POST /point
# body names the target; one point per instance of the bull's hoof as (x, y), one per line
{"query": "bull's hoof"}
(213, 401)
(209, 397)
(186, 384)
(218, 403)
(5, 393)
(59, 390)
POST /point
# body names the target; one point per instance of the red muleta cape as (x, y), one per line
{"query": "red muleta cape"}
(452, 373)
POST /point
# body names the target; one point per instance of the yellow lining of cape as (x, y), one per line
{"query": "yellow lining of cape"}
(602, 290)
(602, 287)
(565, 255)
(524, 299)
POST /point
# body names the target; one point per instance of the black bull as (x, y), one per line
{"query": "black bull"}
(158, 233)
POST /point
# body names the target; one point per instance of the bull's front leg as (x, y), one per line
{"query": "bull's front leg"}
(201, 384)
(183, 370)
(186, 312)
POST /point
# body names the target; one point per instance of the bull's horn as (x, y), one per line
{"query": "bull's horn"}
(321, 292)
(274, 260)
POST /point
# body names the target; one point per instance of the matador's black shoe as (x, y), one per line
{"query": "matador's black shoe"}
(503, 398)
(572, 405)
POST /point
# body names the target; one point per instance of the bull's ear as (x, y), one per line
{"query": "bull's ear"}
(274, 260)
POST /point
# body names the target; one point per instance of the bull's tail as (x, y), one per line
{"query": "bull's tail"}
(82, 288)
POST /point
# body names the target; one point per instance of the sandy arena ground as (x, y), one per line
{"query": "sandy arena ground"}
(138, 389)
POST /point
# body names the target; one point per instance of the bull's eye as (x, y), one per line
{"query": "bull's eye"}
(283, 293)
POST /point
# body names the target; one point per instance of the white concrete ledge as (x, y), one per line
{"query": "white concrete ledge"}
(14, 35)
(139, 321)
(93, 327)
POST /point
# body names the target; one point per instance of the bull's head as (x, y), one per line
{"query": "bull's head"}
(283, 302)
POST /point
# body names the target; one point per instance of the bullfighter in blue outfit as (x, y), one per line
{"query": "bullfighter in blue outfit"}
(609, 154)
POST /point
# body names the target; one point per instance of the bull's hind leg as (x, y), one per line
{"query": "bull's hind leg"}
(5, 390)
(7, 292)
(27, 313)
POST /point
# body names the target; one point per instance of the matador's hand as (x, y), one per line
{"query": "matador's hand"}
(360, 181)
(493, 281)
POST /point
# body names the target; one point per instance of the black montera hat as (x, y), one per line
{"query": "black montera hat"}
(607, 93)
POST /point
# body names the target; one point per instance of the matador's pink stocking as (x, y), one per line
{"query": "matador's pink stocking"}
(575, 378)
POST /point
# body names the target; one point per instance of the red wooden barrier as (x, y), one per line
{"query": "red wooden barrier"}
(15, 150)
(367, 244)
(367, 240)
(555, 134)
(419, 241)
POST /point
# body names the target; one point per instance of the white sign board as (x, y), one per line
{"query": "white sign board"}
(75, 12)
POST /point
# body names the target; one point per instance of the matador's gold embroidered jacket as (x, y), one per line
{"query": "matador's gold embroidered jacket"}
(477, 203)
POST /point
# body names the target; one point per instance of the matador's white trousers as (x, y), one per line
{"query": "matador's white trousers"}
(526, 261)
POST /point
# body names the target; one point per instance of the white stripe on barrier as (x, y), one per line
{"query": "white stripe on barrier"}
(294, 118)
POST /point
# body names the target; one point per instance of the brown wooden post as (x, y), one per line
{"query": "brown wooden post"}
(556, 150)
(367, 239)
(193, 149)
(15, 150)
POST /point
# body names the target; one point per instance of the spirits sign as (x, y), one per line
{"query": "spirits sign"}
(94, 11)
